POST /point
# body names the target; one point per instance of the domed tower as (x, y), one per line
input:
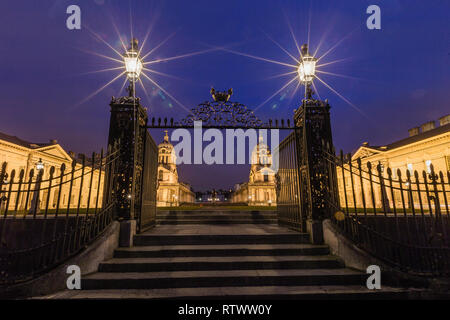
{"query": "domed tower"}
(261, 184)
(261, 163)
(167, 168)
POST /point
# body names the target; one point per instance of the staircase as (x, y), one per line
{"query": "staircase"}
(216, 217)
(224, 256)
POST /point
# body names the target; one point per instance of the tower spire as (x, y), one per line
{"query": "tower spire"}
(166, 137)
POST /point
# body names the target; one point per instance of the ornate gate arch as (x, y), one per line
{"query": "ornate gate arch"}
(302, 173)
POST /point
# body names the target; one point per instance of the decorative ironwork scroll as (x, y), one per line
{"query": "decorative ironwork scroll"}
(222, 113)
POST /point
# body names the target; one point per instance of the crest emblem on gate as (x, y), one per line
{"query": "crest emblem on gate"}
(222, 112)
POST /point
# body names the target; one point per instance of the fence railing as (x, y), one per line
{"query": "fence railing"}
(47, 216)
(400, 217)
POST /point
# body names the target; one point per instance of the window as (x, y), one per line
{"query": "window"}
(410, 168)
(55, 197)
(428, 164)
(266, 178)
(160, 175)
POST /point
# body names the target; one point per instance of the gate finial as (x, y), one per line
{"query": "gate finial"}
(221, 96)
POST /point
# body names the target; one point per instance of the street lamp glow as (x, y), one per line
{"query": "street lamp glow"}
(307, 67)
(133, 63)
(39, 165)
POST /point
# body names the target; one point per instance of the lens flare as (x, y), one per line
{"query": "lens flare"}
(133, 64)
(306, 66)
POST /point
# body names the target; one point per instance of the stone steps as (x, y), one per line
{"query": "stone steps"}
(194, 217)
(219, 263)
(215, 214)
(216, 211)
(220, 250)
(217, 278)
(241, 293)
(220, 239)
(217, 221)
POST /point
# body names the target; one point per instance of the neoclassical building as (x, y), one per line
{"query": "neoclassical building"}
(260, 188)
(426, 145)
(23, 155)
(170, 191)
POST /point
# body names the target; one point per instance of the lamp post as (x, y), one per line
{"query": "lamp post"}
(39, 165)
(133, 68)
(314, 134)
(133, 65)
(35, 202)
(385, 199)
(3, 197)
(307, 70)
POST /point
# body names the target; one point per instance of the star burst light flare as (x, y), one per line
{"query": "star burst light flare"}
(134, 65)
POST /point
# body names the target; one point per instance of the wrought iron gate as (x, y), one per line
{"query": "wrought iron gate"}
(147, 215)
(289, 196)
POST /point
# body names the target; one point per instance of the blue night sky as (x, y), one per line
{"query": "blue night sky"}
(398, 77)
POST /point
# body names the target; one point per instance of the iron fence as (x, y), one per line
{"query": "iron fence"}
(400, 217)
(50, 215)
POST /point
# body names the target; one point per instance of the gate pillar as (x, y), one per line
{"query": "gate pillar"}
(317, 175)
(128, 128)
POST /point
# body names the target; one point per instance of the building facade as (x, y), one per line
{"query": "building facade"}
(170, 191)
(21, 155)
(427, 146)
(260, 188)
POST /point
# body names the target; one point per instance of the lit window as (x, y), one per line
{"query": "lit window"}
(410, 168)
(428, 164)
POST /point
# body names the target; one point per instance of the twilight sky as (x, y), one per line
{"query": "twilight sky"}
(398, 77)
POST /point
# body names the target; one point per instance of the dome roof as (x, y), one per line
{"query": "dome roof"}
(261, 148)
(166, 143)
